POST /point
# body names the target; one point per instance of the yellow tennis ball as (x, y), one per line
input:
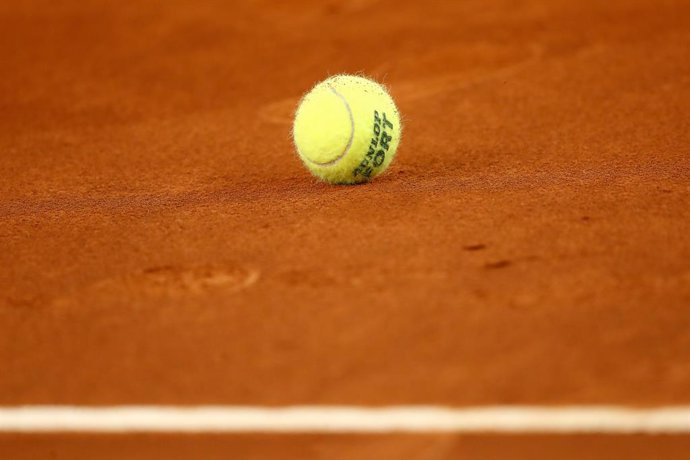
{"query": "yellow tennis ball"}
(347, 129)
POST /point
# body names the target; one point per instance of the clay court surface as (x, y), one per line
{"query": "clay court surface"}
(161, 243)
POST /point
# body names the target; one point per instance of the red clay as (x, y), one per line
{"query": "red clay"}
(161, 243)
(344, 447)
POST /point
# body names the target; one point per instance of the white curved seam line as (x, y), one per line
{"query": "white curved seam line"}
(352, 132)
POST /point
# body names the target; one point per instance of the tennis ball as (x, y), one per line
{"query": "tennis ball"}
(347, 129)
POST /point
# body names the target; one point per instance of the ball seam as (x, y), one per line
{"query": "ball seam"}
(352, 132)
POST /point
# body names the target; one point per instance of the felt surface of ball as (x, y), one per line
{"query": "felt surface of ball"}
(347, 129)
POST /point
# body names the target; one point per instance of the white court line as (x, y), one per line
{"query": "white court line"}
(345, 419)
